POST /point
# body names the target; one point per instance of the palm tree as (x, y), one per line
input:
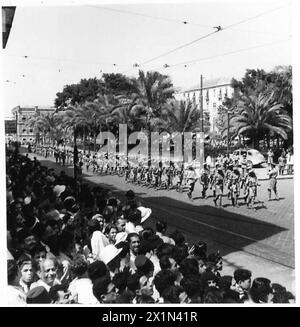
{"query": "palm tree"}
(32, 123)
(64, 126)
(101, 113)
(259, 115)
(154, 89)
(124, 114)
(182, 116)
(84, 122)
(48, 125)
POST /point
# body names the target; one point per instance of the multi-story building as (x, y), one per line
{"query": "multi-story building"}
(214, 92)
(22, 115)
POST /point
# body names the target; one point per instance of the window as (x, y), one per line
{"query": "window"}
(226, 93)
(194, 97)
(30, 131)
(207, 96)
(220, 94)
(214, 92)
(24, 131)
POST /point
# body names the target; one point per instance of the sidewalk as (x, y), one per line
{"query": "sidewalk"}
(262, 174)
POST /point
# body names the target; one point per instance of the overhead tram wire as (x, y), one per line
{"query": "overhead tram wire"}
(223, 54)
(174, 50)
(172, 20)
(218, 29)
(137, 65)
(254, 17)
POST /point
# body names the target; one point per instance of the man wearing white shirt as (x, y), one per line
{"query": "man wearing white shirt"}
(47, 273)
(121, 234)
(134, 245)
(161, 228)
(98, 240)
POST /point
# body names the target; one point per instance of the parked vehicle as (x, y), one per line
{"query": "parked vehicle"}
(254, 157)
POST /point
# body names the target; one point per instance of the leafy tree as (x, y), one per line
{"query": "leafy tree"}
(254, 81)
(280, 83)
(118, 84)
(85, 90)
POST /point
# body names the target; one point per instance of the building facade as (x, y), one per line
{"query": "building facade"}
(214, 92)
(22, 115)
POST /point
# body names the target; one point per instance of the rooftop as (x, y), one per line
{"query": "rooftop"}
(32, 108)
(209, 83)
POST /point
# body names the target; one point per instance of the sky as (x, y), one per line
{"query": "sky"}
(51, 46)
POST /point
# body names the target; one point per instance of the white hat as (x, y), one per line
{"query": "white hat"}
(97, 216)
(146, 212)
(27, 200)
(121, 237)
(108, 253)
(58, 189)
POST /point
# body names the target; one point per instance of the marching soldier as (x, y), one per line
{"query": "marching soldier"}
(273, 173)
(204, 181)
(191, 179)
(219, 185)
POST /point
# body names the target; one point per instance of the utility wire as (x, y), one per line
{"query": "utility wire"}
(219, 28)
(65, 60)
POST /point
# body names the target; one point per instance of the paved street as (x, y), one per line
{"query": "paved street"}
(261, 240)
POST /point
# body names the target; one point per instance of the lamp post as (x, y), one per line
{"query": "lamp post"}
(17, 134)
(75, 163)
(201, 149)
(148, 126)
(95, 126)
(229, 112)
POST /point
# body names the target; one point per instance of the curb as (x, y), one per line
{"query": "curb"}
(278, 178)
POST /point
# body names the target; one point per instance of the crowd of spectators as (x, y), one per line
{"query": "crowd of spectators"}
(70, 244)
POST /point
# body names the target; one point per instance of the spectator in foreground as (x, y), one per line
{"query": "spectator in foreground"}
(243, 283)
